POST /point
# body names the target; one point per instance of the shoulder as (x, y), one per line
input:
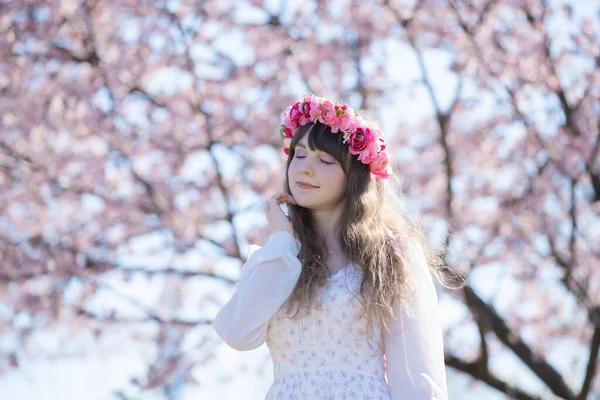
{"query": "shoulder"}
(413, 255)
(405, 245)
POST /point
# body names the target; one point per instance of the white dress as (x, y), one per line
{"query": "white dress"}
(325, 354)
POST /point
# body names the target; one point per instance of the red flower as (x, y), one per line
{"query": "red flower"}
(295, 115)
(360, 140)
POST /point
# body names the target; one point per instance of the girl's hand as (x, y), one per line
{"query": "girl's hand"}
(275, 215)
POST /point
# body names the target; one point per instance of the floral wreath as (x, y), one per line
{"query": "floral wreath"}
(364, 140)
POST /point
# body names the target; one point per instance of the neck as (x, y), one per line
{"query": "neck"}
(326, 224)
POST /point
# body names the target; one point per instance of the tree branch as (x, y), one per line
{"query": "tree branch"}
(591, 367)
(187, 273)
(513, 341)
(150, 318)
(560, 92)
(475, 370)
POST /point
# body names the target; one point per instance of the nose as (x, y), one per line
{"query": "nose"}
(306, 168)
(306, 171)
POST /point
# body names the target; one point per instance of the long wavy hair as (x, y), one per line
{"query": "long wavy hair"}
(373, 231)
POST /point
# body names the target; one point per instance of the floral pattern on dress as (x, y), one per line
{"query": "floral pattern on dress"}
(326, 354)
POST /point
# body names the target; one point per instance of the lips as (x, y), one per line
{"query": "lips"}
(305, 185)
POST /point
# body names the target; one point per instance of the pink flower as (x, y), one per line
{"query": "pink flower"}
(379, 166)
(312, 107)
(340, 108)
(374, 148)
(346, 120)
(327, 115)
(306, 108)
(360, 140)
(295, 115)
(288, 124)
(355, 123)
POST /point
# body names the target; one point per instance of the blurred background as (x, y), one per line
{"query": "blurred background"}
(139, 140)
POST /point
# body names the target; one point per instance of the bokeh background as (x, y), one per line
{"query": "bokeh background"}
(140, 138)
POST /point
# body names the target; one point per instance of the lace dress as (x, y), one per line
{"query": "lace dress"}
(326, 354)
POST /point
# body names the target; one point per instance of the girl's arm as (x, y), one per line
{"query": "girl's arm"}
(414, 347)
(267, 280)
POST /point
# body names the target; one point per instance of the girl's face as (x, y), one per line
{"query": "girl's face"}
(320, 170)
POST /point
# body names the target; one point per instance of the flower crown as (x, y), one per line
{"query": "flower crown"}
(365, 141)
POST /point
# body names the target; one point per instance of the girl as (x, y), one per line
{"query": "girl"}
(341, 292)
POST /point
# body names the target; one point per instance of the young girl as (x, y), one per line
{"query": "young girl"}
(341, 292)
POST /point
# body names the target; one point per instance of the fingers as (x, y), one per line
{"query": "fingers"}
(274, 200)
(277, 199)
(290, 199)
(283, 197)
(276, 217)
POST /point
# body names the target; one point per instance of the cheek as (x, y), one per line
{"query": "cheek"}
(336, 177)
(336, 172)
(292, 167)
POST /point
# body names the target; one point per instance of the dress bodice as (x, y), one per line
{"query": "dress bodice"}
(332, 337)
(327, 354)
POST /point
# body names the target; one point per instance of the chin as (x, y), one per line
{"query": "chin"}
(300, 201)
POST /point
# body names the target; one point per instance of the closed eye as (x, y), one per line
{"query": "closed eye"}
(323, 161)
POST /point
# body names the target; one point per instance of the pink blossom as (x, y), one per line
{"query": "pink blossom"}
(360, 140)
(306, 108)
(295, 115)
(313, 109)
(374, 147)
(380, 166)
(327, 115)
(345, 119)
(287, 122)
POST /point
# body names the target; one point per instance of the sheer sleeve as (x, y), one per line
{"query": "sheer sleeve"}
(267, 280)
(414, 346)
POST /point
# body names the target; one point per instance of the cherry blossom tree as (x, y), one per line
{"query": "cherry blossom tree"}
(139, 139)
